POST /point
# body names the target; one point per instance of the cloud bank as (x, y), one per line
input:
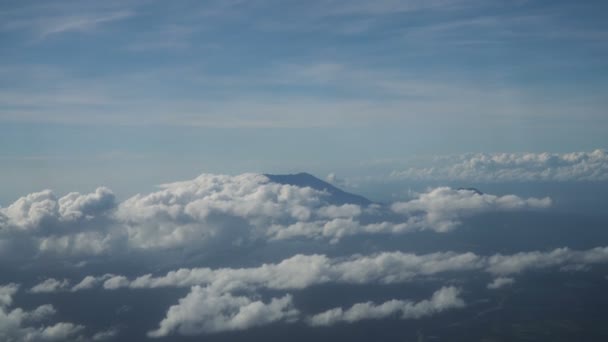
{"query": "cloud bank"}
(513, 167)
(302, 271)
(205, 311)
(221, 210)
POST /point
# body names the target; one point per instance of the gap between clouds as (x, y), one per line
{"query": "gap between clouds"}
(17, 324)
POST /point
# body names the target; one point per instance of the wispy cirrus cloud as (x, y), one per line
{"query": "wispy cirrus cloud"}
(44, 25)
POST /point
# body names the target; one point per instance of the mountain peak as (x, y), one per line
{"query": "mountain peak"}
(304, 179)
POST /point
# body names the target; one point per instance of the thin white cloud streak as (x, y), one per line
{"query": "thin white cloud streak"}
(90, 282)
(50, 285)
(105, 335)
(500, 282)
(48, 19)
(443, 299)
(302, 271)
(254, 104)
(78, 23)
(513, 167)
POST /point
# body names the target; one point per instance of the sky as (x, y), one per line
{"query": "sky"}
(144, 92)
(175, 170)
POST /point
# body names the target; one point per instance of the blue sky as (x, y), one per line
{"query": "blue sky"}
(128, 93)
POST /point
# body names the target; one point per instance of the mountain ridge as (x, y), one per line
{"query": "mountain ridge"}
(303, 179)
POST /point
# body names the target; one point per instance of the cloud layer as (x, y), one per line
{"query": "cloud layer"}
(513, 167)
(224, 210)
(17, 324)
(443, 299)
(227, 298)
(302, 271)
(206, 311)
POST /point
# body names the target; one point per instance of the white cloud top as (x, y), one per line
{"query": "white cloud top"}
(443, 299)
(207, 311)
(224, 210)
(513, 167)
(302, 271)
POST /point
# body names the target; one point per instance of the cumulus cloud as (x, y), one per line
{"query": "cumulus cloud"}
(72, 224)
(214, 205)
(440, 209)
(105, 335)
(513, 167)
(443, 208)
(443, 299)
(6, 294)
(225, 299)
(204, 310)
(220, 210)
(560, 257)
(302, 271)
(21, 325)
(43, 210)
(90, 281)
(500, 282)
(50, 285)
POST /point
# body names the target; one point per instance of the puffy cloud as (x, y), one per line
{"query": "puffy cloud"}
(302, 271)
(43, 210)
(212, 205)
(443, 207)
(500, 282)
(20, 325)
(514, 167)
(220, 210)
(116, 282)
(89, 282)
(50, 285)
(72, 224)
(562, 257)
(443, 299)
(105, 335)
(206, 311)
(6, 294)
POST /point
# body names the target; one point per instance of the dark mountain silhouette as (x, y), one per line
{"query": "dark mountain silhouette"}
(472, 189)
(304, 179)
